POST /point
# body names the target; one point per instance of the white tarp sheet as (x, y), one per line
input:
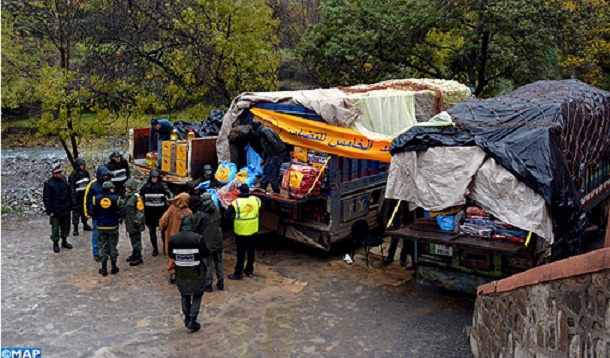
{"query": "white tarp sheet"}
(440, 177)
(382, 109)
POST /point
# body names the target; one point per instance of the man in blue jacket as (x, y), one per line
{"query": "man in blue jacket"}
(107, 211)
(94, 188)
(162, 128)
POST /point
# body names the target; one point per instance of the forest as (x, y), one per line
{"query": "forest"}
(123, 59)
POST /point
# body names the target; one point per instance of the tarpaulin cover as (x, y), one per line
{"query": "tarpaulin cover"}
(441, 177)
(546, 133)
(324, 137)
(341, 106)
(208, 127)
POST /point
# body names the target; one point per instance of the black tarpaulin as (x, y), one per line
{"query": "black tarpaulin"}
(208, 127)
(546, 133)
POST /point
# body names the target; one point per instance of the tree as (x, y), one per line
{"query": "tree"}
(585, 45)
(53, 26)
(479, 42)
(171, 55)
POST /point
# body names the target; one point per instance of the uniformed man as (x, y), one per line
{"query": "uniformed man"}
(58, 203)
(119, 171)
(155, 193)
(134, 221)
(107, 210)
(79, 179)
(245, 209)
(188, 250)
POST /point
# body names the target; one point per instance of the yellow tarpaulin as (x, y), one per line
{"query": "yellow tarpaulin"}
(324, 137)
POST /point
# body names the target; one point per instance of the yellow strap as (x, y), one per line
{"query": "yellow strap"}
(527, 239)
(318, 177)
(394, 214)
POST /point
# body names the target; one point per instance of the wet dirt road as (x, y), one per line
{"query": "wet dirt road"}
(298, 304)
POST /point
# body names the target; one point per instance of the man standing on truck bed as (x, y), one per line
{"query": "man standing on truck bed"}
(272, 151)
(162, 128)
(245, 209)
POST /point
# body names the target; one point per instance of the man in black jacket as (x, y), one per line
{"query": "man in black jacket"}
(58, 204)
(79, 179)
(189, 251)
(273, 153)
(119, 171)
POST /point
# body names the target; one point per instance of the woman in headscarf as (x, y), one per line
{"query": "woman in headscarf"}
(170, 224)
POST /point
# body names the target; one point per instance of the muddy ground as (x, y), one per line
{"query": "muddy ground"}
(298, 304)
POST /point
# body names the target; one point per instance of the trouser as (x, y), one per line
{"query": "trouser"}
(408, 248)
(94, 244)
(245, 244)
(78, 217)
(108, 241)
(271, 173)
(171, 263)
(191, 304)
(217, 259)
(136, 243)
(152, 231)
(60, 227)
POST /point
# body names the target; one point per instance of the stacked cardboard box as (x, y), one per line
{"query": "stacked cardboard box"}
(181, 157)
(174, 155)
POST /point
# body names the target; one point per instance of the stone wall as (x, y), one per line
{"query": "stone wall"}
(557, 310)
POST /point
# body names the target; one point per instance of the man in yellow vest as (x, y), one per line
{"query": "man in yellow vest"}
(245, 209)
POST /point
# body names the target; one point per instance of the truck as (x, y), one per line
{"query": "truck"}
(350, 126)
(354, 178)
(537, 159)
(199, 152)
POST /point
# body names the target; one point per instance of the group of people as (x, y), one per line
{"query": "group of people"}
(190, 224)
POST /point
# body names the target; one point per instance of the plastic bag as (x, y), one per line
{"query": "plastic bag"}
(254, 160)
(445, 222)
(214, 196)
(204, 185)
(300, 154)
(226, 172)
(247, 175)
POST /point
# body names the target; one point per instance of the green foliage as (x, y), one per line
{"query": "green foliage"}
(19, 63)
(489, 44)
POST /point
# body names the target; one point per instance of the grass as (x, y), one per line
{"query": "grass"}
(89, 119)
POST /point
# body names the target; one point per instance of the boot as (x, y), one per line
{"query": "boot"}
(114, 269)
(193, 324)
(220, 284)
(137, 259)
(155, 251)
(208, 288)
(75, 233)
(186, 318)
(55, 247)
(66, 244)
(132, 256)
(104, 270)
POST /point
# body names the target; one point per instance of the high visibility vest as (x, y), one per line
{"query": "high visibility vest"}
(246, 215)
